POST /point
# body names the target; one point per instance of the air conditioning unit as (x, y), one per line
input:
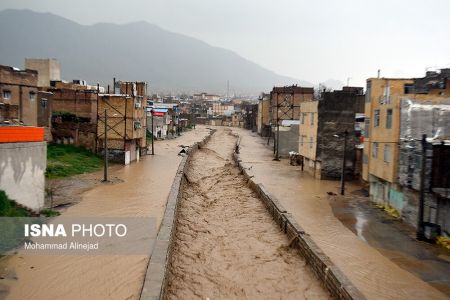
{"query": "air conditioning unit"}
(137, 105)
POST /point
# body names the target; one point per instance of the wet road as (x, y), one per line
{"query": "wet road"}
(142, 192)
(227, 246)
(375, 275)
(394, 239)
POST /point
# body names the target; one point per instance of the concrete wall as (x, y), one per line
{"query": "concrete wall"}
(288, 139)
(48, 69)
(22, 172)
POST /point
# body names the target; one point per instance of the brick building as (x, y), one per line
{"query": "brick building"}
(285, 102)
(126, 124)
(18, 95)
(322, 126)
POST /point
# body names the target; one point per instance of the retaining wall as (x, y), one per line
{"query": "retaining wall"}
(155, 281)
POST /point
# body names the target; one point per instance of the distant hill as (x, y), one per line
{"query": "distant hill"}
(170, 62)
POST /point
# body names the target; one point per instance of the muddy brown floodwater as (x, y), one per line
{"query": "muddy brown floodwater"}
(227, 245)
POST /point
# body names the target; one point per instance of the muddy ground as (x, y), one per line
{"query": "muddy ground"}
(227, 246)
(139, 190)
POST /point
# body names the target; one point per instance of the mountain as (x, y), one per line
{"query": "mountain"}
(138, 51)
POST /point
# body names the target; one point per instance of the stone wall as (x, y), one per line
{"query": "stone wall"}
(288, 139)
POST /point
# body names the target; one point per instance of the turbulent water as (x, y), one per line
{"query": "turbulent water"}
(227, 245)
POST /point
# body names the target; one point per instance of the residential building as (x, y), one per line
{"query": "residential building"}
(206, 97)
(285, 102)
(18, 96)
(73, 109)
(220, 109)
(165, 119)
(250, 115)
(263, 122)
(49, 69)
(383, 128)
(432, 119)
(126, 121)
(323, 123)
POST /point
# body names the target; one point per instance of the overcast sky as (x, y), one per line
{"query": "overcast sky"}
(313, 40)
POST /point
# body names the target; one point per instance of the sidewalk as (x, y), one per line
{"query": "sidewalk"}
(306, 199)
(141, 191)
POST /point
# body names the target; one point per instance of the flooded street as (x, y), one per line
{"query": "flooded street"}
(141, 190)
(227, 246)
(394, 239)
(306, 198)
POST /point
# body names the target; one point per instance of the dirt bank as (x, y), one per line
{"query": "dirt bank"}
(227, 245)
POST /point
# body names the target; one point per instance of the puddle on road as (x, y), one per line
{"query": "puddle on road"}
(227, 245)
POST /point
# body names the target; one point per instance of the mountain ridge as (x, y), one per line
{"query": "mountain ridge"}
(169, 61)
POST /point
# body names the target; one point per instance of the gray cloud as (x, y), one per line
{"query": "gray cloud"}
(309, 40)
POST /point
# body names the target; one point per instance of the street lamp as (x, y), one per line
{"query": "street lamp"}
(343, 161)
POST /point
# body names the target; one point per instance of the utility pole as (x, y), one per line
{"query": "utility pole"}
(343, 164)
(420, 228)
(105, 149)
(153, 134)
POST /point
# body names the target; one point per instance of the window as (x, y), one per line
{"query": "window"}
(368, 91)
(303, 118)
(387, 95)
(32, 96)
(408, 88)
(367, 127)
(312, 118)
(365, 159)
(387, 153)
(6, 94)
(301, 140)
(376, 122)
(310, 142)
(375, 150)
(44, 103)
(389, 119)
